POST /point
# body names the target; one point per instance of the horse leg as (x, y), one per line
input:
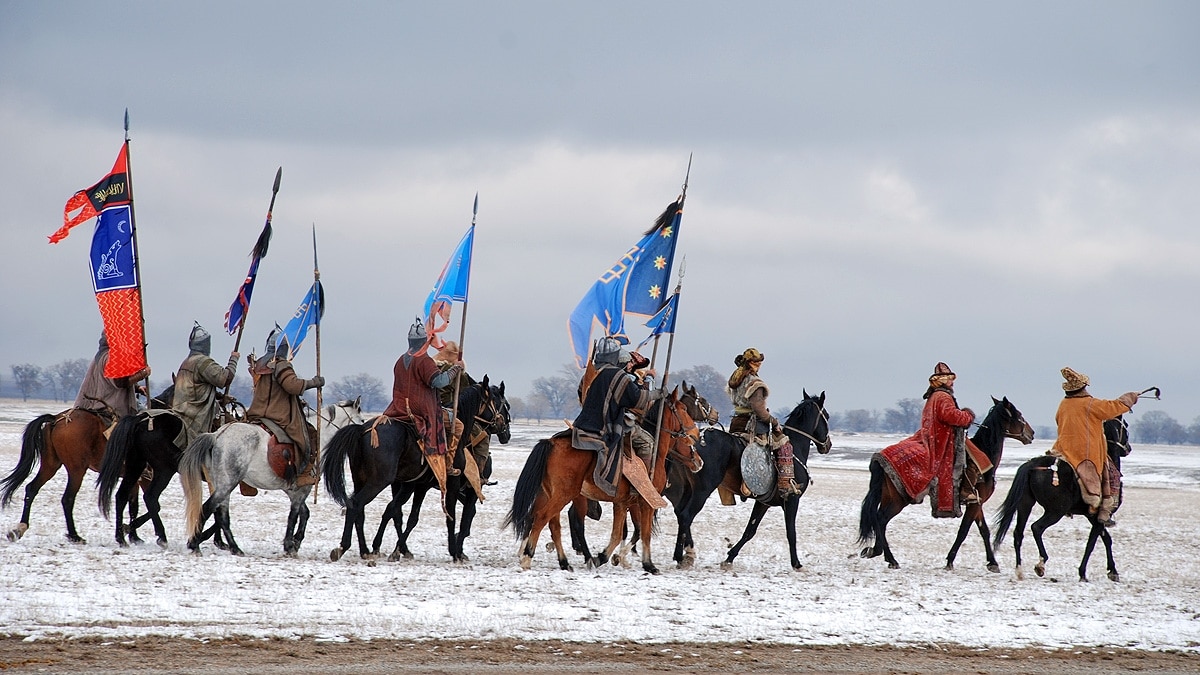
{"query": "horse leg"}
(162, 478)
(451, 513)
(1113, 575)
(790, 506)
(74, 481)
(579, 531)
(297, 523)
(389, 516)
(121, 502)
(223, 518)
(643, 516)
(49, 466)
(555, 525)
(619, 510)
(464, 528)
(756, 517)
(414, 517)
(1039, 526)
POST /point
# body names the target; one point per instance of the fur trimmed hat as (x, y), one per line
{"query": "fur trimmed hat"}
(751, 355)
(1074, 380)
(941, 375)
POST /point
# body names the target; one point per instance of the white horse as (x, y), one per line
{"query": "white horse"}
(237, 453)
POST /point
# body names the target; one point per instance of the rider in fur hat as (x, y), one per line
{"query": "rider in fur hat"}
(752, 420)
(1081, 442)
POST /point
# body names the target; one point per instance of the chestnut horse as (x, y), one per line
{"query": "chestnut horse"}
(885, 500)
(73, 438)
(557, 474)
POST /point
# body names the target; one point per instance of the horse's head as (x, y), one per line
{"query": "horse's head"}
(494, 414)
(1116, 433)
(164, 398)
(698, 406)
(1011, 421)
(809, 421)
(679, 426)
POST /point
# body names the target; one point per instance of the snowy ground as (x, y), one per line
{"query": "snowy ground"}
(54, 588)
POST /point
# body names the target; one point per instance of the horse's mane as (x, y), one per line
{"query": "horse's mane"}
(665, 219)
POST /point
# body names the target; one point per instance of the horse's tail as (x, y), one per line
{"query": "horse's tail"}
(1004, 517)
(334, 461)
(529, 486)
(32, 443)
(191, 473)
(868, 520)
(112, 467)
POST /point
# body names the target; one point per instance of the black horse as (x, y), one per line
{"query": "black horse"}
(805, 426)
(885, 500)
(137, 443)
(494, 419)
(1051, 483)
(388, 454)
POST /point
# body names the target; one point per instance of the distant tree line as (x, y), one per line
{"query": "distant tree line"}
(904, 418)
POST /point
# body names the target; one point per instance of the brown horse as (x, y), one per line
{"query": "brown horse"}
(556, 474)
(74, 438)
(885, 500)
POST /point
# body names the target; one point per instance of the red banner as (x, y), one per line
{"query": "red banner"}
(122, 314)
(112, 190)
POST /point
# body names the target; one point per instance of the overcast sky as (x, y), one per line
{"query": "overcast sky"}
(875, 187)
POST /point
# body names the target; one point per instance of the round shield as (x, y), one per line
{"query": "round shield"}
(758, 469)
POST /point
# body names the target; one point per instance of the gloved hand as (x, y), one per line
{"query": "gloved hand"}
(1128, 398)
(316, 382)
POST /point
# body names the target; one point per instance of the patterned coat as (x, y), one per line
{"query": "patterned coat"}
(929, 454)
(195, 397)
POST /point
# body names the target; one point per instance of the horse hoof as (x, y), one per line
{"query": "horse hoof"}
(949, 567)
(290, 554)
(797, 567)
(372, 562)
(727, 565)
(1113, 576)
(894, 566)
(335, 555)
(549, 546)
(76, 539)
(395, 556)
(1039, 569)
(162, 543)
(122, 543)
(17, 532)
(615, 560)
(1083, 579)
(686, 564)
(238, 552)
(993, 567)
(649, 567)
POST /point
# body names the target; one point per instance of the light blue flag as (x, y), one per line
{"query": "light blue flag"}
(664, 321)
(308, 314)
(451, 285)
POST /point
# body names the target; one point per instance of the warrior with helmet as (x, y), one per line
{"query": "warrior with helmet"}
(612, 401)
(752, 421)
(196, 384)
(1081, 442)
(417, 380)
(277, 399)
(101, 394)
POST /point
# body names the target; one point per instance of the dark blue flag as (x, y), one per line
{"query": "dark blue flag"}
(112, 251)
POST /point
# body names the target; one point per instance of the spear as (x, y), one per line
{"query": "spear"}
(137, 259)
(317, 297)
(462, 330)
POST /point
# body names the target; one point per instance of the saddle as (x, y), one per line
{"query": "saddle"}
(284, 459)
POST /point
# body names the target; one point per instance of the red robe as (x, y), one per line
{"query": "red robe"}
(412, 390)
(924, 462)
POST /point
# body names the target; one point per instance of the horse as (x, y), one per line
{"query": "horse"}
(236, 453)
(805, 426)
(73, 438)
(387, 454)
(143, 440)
(885, 500)
(493, 418)
(556, 474)
(1051, 483)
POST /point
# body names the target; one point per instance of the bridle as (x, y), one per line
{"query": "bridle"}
(332, 416)
(1122, 446)
(692, 433)
(827, 444)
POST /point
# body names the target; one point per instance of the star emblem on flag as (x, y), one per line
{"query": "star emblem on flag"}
(660, 262)
(655, 292)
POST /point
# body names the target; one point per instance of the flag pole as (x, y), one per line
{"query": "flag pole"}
(670, 346)
(137, 259)
(462, 331)
(246, 312)
(320, 402)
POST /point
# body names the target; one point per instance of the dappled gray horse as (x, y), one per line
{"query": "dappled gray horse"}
(237, 453)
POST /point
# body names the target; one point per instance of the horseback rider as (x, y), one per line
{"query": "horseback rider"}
(612, 402)
(195, 397)
(277, 399)
(417, 381)
(1081, 442)
(752, 421)
(105, 396)
(943, 431)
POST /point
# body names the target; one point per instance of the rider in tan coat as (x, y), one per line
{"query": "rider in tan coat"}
(1081, 441)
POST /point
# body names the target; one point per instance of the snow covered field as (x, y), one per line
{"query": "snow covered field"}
(54, 588)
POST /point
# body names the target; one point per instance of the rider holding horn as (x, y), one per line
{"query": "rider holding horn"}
(1081, 442)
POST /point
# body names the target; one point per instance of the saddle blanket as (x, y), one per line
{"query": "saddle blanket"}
(907, 463)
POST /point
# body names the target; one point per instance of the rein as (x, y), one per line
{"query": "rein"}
(821, 413)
